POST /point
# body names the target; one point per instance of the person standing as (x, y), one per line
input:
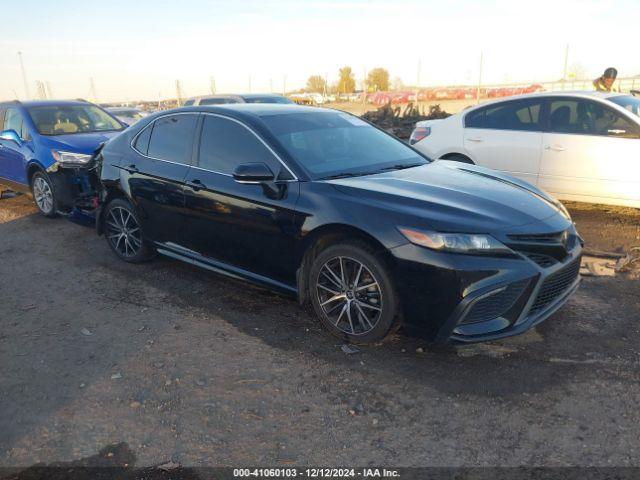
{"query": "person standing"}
(605, 82)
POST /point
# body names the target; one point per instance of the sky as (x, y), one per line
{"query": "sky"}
(137, 49)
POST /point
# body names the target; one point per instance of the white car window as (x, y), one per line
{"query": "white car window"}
(584, 117)
(521, 115)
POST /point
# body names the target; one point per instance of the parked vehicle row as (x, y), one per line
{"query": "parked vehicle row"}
(314, 203)
(582, 146)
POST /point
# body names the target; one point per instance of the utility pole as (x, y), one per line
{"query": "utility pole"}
(92, 91)
(364, 90)
(479, 78)
(418, 85)
(566, 63)
(24, 77)
(179, 94)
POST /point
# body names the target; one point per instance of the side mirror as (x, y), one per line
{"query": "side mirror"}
(253, 173)
(11, 135)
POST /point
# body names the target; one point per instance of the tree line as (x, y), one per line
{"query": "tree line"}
(377, 80)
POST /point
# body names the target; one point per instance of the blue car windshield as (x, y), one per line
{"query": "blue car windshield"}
(69, 119)
(334, 144)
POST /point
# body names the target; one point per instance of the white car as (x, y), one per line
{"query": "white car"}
(582, 146)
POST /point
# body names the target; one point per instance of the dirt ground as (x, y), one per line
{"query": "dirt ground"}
(169, 363)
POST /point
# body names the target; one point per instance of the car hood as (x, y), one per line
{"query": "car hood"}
(79, 142)
(456, 197)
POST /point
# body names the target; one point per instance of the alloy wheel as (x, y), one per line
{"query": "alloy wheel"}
(43, 195)
(123, 232)
(349, 295)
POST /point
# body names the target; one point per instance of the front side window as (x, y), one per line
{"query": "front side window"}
(329, 144)
(585, 117)
(171, 138)
(69, 119)
(225, 144)
(522, 115)
(13, 120)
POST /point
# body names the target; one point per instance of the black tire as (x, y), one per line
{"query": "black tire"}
(458, 157)
(358, 321)
(124, 234)
(43, 194)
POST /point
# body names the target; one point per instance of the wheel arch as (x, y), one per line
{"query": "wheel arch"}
(110, 195)
(322, 237)
(453, 155)
(34, 166)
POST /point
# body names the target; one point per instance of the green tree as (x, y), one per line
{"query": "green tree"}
(378, 79)
(316, 83)
(347, 82)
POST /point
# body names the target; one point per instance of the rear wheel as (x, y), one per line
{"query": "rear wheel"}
(123, 232)
(352, 294)
(43, 196)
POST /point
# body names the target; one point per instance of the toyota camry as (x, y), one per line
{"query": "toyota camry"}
(322, 205)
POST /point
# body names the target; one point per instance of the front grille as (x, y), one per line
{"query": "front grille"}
(555, 285)
(495, 305)
(555, 237)
(543, 260)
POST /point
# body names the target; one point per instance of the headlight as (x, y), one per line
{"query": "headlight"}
(70, 158)
(455, 242)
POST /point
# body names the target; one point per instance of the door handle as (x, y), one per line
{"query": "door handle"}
(474, 139)
(195, 184)
(555, 148)
(132, 169)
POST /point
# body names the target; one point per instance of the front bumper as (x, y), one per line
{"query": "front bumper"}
(461, 298)
(75, 187)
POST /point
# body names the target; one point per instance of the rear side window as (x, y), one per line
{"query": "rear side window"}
(584, 117)
(142, 142)
(225, 144)
(172, 138)
(521, 115)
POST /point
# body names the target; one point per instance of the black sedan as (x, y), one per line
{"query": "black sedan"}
(319, 204)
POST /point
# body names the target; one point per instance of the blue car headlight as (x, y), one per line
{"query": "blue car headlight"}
(70, 158)
(455, 242)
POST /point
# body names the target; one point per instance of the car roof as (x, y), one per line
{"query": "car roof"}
(249, 110)
(45, 103)
(560, 93)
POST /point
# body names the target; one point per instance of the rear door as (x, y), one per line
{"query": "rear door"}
(155, 173)
(13, 156)
(507, 136)
(239, 224)
(591, 152)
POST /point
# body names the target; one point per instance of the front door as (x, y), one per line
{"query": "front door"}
(13, 156)
(507, 136)
(243, 225)
(156, 172)
(591, 153)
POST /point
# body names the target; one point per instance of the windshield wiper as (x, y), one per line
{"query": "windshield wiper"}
(400, 166)
(345, 175)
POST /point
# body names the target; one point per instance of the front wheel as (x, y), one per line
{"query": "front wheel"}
(43, 196)
(352, 293)
(123, 232)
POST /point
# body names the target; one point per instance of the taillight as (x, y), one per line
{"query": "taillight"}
(419, 133)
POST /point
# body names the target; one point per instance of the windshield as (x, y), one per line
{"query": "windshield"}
(629, 102)
(273, 99)
(66, 119)
(333, 144)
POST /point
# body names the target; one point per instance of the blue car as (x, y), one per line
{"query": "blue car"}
(46, 148)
